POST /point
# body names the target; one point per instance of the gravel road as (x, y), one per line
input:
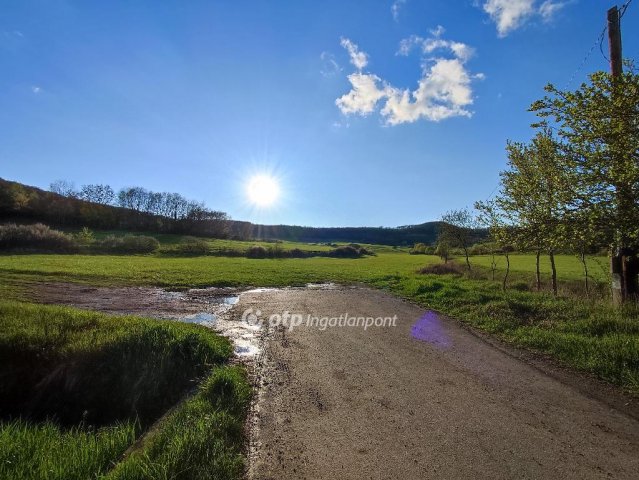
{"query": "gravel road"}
(424, 399)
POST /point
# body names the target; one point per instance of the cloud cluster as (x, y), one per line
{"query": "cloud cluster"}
(396, 7)
(443, 91)
(509, 15)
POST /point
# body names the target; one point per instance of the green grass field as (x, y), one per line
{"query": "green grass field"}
(79, 387)
(568, 266)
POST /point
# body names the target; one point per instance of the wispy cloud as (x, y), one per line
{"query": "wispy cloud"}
(36, 89)
(429, 45)
(329, 67)
(396, 8)
(550, 8)
(509, 15)
(443, 91)
(358, 59)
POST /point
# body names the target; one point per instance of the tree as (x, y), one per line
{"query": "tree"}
(599, 123)
(64, 188)
(443, 250)
(457, 230)
(534, 199)
(97, 193)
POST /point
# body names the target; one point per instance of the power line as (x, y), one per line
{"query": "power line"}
(623, 9)
(599, 40)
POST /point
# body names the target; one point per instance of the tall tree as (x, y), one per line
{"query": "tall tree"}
(599, 123)
(535, 195)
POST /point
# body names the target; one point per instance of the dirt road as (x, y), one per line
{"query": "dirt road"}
(349, 403)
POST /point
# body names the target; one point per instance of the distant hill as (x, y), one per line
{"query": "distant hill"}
(406, 235)
(26, 204)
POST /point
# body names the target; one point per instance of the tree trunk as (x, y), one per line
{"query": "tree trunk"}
(554, 272)
(467, 260)
(585, 266)
(493, 265)
(503, 285)
(537, 272)
(624, 268)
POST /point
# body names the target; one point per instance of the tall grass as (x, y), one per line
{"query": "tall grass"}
(84, 366)
(79, 387)
(47, 452)
(203, 439)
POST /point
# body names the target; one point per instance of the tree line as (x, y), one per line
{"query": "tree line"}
(99, 206)
(574, 186)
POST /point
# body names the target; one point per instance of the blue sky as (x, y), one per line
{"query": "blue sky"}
(367, 112)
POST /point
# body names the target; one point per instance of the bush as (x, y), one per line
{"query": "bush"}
(128, 244)
(35, 237)
(193, 246)
(256, 251)
(84, 236)
(346, 251)
(442, 269)
(418, 249)
(299, 253)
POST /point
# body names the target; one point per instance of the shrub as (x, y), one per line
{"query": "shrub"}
(299, 253)
(193, 246)
(35, 237)
(418, 249)
(256, 251)
(84, 236)
(346, 251)
(442, 269)
(129, 244)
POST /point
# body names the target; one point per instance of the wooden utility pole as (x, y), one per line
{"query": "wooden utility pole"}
(624, 264)
(616, 256)
(614, 41)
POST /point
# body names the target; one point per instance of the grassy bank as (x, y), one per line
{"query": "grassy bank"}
(79, 387)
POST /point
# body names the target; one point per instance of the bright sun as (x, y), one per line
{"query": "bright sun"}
(263, 190)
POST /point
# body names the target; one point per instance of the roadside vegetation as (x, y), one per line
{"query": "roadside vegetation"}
(80, 387)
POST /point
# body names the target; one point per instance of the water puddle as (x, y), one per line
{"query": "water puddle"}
(429, 328)
(206, 319)
(322, 286)
(245, 337)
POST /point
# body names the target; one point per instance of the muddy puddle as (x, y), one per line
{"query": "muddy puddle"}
(205, 306)
(210, 307)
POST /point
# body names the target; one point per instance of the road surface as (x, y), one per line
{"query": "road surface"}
(424, 399)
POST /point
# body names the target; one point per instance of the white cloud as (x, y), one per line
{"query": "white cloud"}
(396, 7)
(438, 31)
(549, 8)
(359, 59)
(443, 91)
(363, 96)
(509, 15)
(429, 45)
(329, 67)
(35, 89)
